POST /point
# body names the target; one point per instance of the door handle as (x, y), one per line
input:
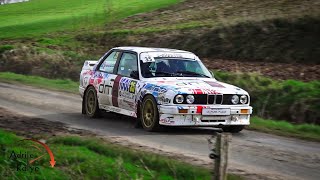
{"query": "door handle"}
(111, 79)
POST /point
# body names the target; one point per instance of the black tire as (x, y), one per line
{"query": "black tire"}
(149, 114)
(233, 129)
(91, 106)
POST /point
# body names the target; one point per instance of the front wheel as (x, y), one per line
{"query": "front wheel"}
(91, 106)
(233, 129)
(149, 114)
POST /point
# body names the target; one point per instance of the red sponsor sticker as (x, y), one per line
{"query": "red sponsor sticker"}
(199, 109)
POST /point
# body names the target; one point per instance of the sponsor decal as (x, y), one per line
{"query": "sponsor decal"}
(209, 91)
(195, 84)
(127, 95)
(110, 108)
(128, 85)
(203, 91)
(149, 56)
(156, 88)
(171, 55)
(129, 103)
(197, 91)
(199, 109)
(85, 80)
(167, 100)
(124, 84)
(97, 78)
(89, 72)
(167, 120)
(162, 99)
(104, 88)
(132, 87)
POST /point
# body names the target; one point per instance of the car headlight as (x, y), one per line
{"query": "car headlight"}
(235, 99)
(243, 99)
(179, 99)
(190, 99)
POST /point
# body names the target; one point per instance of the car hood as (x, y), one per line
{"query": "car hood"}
(196, 86)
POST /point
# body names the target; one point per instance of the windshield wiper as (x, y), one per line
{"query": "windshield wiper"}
(165, 73)
(192, 73)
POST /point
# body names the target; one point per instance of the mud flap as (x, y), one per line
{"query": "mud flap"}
(138, 124)
(83, 109)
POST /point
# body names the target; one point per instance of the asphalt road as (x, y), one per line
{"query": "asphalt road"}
(255, 155)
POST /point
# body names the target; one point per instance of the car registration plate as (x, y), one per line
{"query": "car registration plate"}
(216, 111)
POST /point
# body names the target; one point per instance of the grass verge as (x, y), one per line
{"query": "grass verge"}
(52, 84)
(303, 131)
(90, 158)
(284, 128)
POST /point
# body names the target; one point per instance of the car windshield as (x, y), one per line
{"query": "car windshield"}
(174, 67)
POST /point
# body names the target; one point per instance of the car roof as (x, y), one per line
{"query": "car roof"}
(150, 49)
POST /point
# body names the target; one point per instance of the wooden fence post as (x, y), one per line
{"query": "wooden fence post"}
(220, 156)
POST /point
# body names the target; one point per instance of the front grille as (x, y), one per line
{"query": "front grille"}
(199, 98)
(211, 99)
(224, 99)
(219, 98)
(215, 99)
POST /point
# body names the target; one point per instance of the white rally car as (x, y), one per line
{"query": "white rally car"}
(161, 87)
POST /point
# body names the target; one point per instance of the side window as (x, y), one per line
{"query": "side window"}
(127, 64)
(109, 62)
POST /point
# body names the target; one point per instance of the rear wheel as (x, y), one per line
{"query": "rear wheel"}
(91, 106)
(149, 114)
(233, 129)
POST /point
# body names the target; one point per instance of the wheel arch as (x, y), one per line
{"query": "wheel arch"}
(140, 103)
(83, 111)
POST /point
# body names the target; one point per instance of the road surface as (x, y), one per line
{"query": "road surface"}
(253, 154)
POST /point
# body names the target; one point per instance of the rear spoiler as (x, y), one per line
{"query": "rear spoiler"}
(89, 64)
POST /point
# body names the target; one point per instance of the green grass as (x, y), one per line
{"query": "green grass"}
(38, 17)
(4, 48)
(284, 128)
(91, 158)
(53, 84)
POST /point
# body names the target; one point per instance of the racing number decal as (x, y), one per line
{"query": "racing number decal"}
(148, 59)
(132, 88)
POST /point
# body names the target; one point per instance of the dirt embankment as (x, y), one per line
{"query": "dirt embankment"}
(270, 31)
(26, 61)
(280, 71)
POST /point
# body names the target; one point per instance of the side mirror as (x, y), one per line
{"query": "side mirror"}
(134, 74)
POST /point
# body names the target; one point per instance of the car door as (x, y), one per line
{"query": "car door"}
(104, 77)
(127, 70)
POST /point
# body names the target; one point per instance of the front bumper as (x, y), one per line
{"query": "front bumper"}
(187, 115)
